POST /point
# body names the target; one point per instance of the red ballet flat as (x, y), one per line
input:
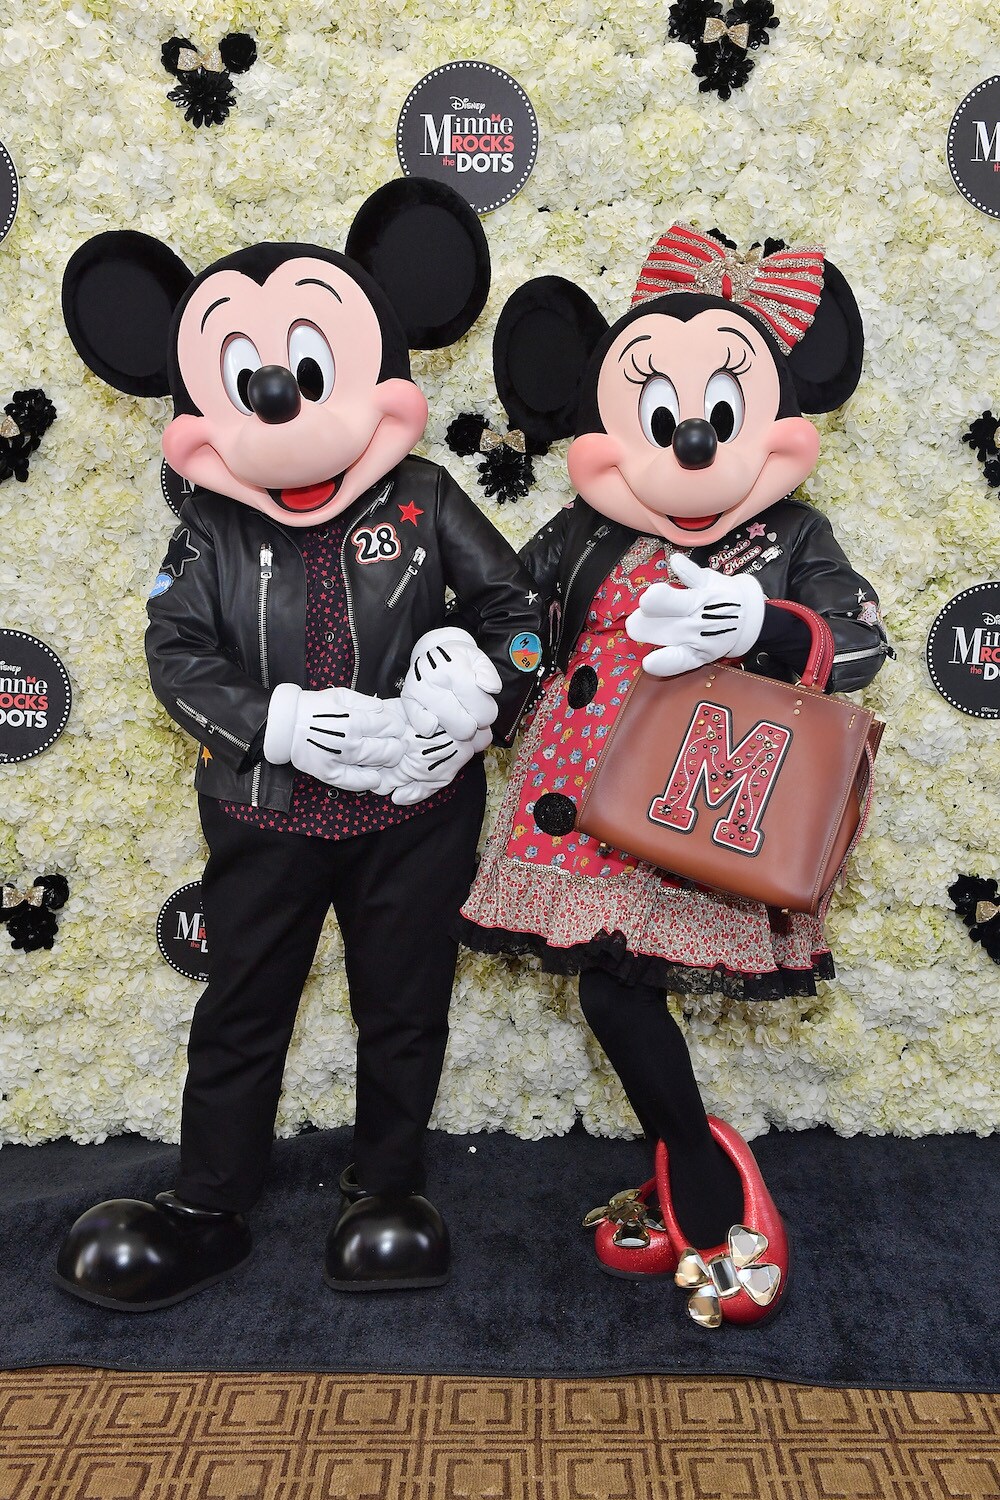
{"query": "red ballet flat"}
(629, 1237)
(744, 1280)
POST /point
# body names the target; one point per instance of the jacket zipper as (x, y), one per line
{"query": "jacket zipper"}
(413, 568)
(382, 496)
(266, 560)
(598, 535)
(207, 724)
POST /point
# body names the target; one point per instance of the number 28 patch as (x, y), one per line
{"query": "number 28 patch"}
(376, 543)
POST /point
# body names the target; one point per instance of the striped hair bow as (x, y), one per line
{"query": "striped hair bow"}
(783, 288)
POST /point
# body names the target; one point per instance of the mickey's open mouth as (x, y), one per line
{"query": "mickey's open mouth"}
(308, 496)
(694, 523)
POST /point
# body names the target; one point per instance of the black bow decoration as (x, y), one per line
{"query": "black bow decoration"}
(30, 913)
(982, 435)
(27, 415)
(722, 39)
(506, 471)
(978, 904)
(204, 90)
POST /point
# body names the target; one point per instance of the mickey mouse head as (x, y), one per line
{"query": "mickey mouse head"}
(288, 364)
(204, 90)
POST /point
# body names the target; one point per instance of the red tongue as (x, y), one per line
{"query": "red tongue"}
(309, 496)
(694, 523)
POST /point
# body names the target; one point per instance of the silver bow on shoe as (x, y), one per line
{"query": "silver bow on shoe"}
(743, 1269)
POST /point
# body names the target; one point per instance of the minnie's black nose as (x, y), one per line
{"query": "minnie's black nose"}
(694, 443)
(273, 393)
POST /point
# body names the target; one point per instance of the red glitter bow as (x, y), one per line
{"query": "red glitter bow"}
(783, 288)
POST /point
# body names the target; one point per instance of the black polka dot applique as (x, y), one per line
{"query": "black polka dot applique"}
(555, 814)
(582, 687)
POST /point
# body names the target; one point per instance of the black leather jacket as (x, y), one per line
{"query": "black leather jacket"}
(790, 548)
(230, 623)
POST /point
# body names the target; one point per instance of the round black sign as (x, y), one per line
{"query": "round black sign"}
(963, 651)
(35, 696)
(974, 147)
(8, 191)
(180, 932)
(175, 488)
(471, 125)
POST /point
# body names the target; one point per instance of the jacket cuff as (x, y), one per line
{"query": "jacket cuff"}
(280, 729)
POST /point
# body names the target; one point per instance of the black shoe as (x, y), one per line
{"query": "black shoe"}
(387, 1242)
(136, 1256)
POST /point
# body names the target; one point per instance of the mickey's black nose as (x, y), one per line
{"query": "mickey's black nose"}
(694, 442)
(274, 395)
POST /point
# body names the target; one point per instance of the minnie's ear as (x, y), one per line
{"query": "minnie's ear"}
(119, 293)
(544, 338)
(826, 362)
(425, 247)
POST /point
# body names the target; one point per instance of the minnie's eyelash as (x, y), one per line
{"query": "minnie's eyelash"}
(739, 368)
(644, 374)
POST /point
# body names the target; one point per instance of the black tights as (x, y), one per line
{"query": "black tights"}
(647, 1050)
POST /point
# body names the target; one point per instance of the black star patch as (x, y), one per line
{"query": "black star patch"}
(179, 553)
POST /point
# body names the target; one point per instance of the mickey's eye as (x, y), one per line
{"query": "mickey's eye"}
(239, 361)
(311, 360)
(724, 405)
(659, 410)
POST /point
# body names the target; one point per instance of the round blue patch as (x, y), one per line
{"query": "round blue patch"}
(526, 651)
(162, 582)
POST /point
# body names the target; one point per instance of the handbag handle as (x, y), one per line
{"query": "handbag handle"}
(819, 663)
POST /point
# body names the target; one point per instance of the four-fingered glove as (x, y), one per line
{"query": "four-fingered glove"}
(337, 735)
(711, 617)
(450, 685)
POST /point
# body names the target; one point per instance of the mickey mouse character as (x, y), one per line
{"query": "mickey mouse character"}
(297, 629)
(689, 442)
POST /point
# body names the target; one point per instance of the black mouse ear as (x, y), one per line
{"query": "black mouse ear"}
(119, 293)
(425, 247)
(544, 338)
(826, 362)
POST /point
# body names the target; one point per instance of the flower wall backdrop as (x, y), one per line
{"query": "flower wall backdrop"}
(838, 137)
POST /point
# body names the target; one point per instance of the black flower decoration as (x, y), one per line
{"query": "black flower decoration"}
(204, 90)
(506, 471)
(978, 904)
(30, 914)
(27, 415)
(722, 39)
(982, 435)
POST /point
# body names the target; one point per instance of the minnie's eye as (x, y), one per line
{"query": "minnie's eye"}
(659, 410)
(311, 361)
(724, 405)
(239, 361)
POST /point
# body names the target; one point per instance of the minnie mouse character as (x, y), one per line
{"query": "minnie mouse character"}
(689, 442)
(297, 629)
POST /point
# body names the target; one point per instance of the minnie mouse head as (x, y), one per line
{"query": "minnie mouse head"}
(687, 412)
(288, 364)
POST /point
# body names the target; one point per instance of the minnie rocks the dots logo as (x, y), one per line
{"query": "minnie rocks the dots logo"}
(35, 696)
(471, 125)
(963, 651)
(180, 932)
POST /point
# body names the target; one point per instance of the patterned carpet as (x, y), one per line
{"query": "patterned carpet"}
(74, 1434)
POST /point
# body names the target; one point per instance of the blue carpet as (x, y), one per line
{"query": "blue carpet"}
(896, 1265)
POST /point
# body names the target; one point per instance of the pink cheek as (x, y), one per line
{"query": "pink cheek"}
(797, 439)
(591, 458)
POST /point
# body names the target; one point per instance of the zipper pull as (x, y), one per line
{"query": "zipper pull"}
(266, 558)
(417, 559)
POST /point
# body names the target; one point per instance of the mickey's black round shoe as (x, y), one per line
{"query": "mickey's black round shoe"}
(387, 1242)
(135, 1257)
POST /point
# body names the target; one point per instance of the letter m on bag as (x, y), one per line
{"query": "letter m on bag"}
(709, 764)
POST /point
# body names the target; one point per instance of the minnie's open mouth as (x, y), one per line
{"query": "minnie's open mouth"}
(307, 496)
(694, 523)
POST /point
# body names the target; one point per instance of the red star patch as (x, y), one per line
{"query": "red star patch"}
(409, 513)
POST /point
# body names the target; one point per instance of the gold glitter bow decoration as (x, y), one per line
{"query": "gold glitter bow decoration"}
(630, 1213)
(743, 1269)
(188, 58)
(513, 439)
(986, 911)
(9, 428)
(33, 894)
(716, 29)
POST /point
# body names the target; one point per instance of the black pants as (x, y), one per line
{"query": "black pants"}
(265, 897)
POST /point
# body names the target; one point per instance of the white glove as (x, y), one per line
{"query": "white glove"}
(431, 762)
(449, 685)
(338, 736)
(712, 616)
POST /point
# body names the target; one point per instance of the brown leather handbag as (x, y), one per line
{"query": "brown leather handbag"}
(737, 781)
